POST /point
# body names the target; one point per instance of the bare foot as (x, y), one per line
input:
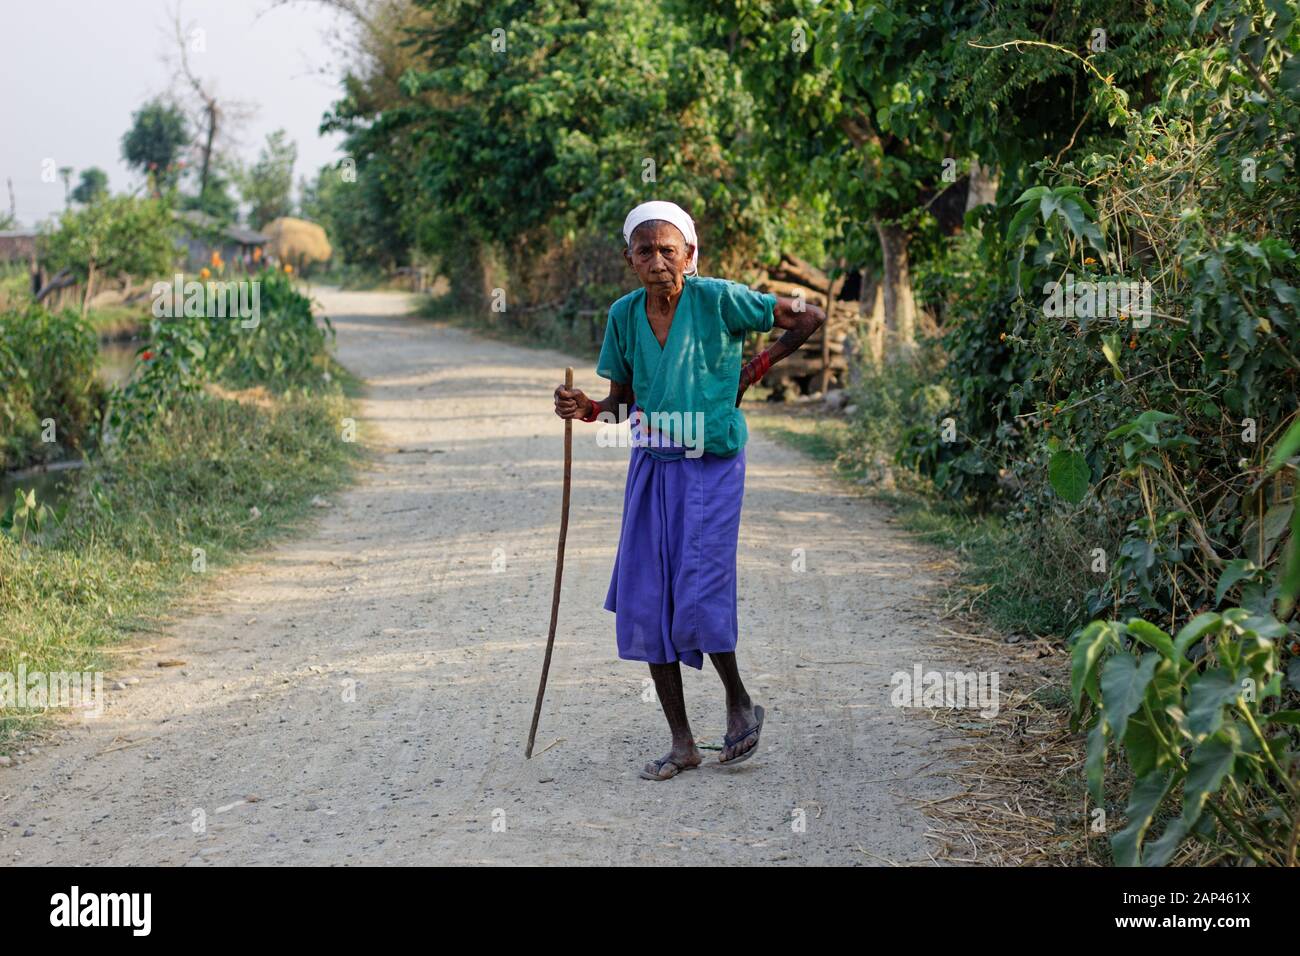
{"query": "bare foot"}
(743, 726)
(672, 763)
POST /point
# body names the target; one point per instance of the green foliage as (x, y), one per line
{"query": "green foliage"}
(182, 467)
(1167, 410)
(156, 140)
(126, 544)
(267, 186)
(47, 365)
(282, 347)
(851, 100)
(588, 109)
(93, 186)
(1069, 475)
(289, 347)
(362, 215)
(1213, 710)
(215, 199)
(24, 516)
(1203, 713)
(121, 234)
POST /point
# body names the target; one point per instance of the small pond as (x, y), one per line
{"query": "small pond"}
(54, 482)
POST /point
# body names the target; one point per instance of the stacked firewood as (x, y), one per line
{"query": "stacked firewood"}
(822, 360)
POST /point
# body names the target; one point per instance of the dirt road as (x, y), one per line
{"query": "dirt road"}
(362, 694)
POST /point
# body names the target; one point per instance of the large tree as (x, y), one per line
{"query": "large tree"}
(120, 234)
(551, 124)
(852, 107)
(215, 198)
(156, 140)
(267, 186)
(93, 186)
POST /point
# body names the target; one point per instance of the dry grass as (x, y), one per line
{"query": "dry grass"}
(1022, 800)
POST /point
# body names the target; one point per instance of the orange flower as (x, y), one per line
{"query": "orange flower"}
(1133, 342)
(1002, 337)
(216, 259)
(257, 253)
(1089, 261)
(288, 269)
(204, 273)
(1150, 158)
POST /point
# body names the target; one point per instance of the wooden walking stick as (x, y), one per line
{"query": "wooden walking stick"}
(559, 569)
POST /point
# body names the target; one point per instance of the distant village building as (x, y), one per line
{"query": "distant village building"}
(17, 245)
(202, 235)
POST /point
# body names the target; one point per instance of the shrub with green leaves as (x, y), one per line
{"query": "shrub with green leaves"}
(47, 374)
(1208, 724)
(1146, 428)
(286, 348)
(110, 237)
(1213, 712)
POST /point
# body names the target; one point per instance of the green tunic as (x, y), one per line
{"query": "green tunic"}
(696, 373)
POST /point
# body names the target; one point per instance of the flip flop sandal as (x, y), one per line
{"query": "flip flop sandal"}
(665, 762)
(732, 741)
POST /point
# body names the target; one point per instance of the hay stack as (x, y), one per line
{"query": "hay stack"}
(297, 241)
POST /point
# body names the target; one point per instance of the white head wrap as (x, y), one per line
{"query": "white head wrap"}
(668, 212)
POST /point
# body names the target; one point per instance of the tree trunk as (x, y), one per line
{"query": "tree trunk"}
(90, 283)
(793, 269)
(900, 306)
(832, 293)
(983, 187)
(871, 304)
(207, 147)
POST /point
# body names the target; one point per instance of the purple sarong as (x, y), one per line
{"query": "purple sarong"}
(673, 589)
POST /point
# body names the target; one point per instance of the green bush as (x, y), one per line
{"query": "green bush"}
(286, 348)
(47, 374)
(110, 237)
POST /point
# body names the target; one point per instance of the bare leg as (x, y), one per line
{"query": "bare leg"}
(668, 685)
(740, 712)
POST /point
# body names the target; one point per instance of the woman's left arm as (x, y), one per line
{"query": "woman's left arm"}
(800, 319)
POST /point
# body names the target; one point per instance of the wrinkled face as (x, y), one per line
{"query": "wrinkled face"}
(659, 254)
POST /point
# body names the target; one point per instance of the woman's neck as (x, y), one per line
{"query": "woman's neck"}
(661, 303)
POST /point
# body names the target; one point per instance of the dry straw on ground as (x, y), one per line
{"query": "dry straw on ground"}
(1022, 801)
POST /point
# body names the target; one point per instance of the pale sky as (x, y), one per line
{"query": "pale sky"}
(73, 71)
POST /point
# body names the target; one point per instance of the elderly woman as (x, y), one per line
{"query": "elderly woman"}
(672, 354)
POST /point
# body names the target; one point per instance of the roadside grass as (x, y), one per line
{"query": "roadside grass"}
(129, 543)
